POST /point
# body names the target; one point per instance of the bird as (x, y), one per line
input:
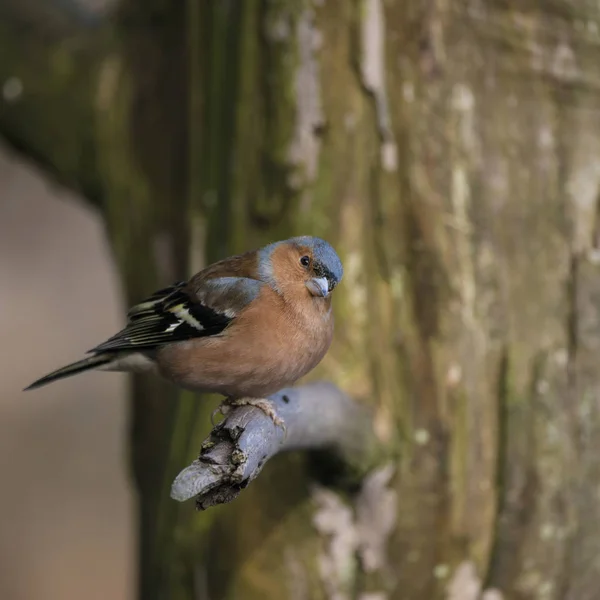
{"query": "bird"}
(244, 327)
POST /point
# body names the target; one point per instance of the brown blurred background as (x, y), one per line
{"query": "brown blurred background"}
(65, 506)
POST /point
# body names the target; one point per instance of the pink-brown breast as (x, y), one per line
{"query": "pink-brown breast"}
(270, 345)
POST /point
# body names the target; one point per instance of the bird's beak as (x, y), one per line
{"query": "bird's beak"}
(318, 286)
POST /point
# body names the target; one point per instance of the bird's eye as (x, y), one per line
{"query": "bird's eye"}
(305, 261)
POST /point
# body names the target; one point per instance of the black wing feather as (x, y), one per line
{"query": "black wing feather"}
(171, 315)
(160, 324)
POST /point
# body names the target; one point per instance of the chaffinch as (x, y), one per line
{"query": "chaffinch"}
(243, 327)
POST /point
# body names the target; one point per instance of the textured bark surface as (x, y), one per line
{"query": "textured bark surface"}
(451, 152)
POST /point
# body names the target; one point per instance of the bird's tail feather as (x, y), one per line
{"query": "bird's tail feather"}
(85, 364)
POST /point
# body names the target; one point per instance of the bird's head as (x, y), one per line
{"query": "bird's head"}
(308, 260)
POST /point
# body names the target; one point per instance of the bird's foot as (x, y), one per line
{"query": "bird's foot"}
(265, 405)
(223, 408)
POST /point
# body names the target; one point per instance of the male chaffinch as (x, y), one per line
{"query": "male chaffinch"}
(244, 327)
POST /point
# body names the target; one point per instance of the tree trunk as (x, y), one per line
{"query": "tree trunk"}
(450, 152)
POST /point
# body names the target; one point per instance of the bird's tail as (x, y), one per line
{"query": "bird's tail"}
(93, 362)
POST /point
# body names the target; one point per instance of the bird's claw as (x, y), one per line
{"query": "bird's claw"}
(224, 408)
(265, 405)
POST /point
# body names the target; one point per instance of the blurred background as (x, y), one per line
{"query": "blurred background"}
(66, 507)
(449, 150)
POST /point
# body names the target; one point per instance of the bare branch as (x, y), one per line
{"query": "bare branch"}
(317, 416)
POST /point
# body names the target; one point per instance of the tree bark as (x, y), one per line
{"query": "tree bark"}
(48, 68)
(450, 152)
